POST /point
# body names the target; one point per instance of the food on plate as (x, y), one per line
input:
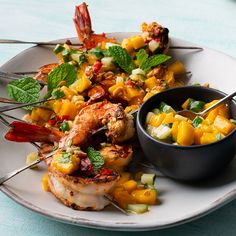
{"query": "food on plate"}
(95, 86)
(164, 124)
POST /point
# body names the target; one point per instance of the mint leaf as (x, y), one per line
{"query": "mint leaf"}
(24, 90)
(95, 157)
(142, 57)
(99, 53)
(64, 72)
(122, 58)
(154, 61)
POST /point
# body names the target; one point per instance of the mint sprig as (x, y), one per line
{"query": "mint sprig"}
(95, 157)
(146, 63)
(64, 72)
(122, 58)
(24, 90)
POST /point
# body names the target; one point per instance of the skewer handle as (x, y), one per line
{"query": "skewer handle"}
(16, 172)
(12, 41)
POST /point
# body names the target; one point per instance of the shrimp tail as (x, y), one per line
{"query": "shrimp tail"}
(24, 132)
(82, 22)
(84, 30)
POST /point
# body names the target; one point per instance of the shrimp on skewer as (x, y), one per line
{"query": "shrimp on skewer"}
(84, 30)
(83, 188)
(120, 127)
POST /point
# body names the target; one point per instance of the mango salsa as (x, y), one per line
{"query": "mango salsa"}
(162, 123)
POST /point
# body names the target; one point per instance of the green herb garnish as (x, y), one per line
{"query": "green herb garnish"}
(197, 121)
(64, 126)
(146, 63)
(58, 48)
(64, 72)
(142, 57)
(65, 158)
(99, 53)
(122, 58)
(196, 106)
(95, 157)
(58, 94)
(24, 90)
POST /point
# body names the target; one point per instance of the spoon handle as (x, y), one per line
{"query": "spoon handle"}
(219, 102)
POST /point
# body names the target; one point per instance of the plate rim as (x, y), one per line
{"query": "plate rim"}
(116, 226)
(218, 203)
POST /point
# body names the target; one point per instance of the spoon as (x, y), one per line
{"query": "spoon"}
(191, 114)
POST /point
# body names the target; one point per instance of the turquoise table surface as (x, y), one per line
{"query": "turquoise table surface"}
(211, 23)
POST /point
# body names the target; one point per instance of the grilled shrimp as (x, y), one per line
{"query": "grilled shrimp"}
(82, 193)
(84, 30)
(120, 127)
(43, 71)
(116, 157)
(80, 188)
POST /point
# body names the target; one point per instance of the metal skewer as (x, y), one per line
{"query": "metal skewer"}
(21, 105)
(115, 205)
(16, 76)
(10, 175)
(11, 41)
(15, 172)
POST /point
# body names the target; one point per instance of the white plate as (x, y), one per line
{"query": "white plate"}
(180, 202)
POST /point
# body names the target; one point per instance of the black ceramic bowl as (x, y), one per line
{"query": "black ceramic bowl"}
(186, 162)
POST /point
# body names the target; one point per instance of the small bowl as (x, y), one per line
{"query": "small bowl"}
(186, 162)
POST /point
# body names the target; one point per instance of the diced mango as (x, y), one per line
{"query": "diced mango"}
(40, 114)
(223, 125)
(82, 84)
(68, 109)
(174, 130)
(177, 67)
(145, 196)
(208, 138)
(186, 104)
(45, 183)
(148, 95)
(132, 92)
(206, 128)
(68, 166)
(197, 135)
(123, 198)
(150, 83)
(124, 177)
(137, 42)
(127, 44)
(69, 92)
(169, 118)
(130, 185)
(222, 110)
(185, 134)
(116, 86)
(211, 115)
(169, 78)
(156, 120)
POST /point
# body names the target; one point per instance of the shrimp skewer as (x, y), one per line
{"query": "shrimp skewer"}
(120, 127)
